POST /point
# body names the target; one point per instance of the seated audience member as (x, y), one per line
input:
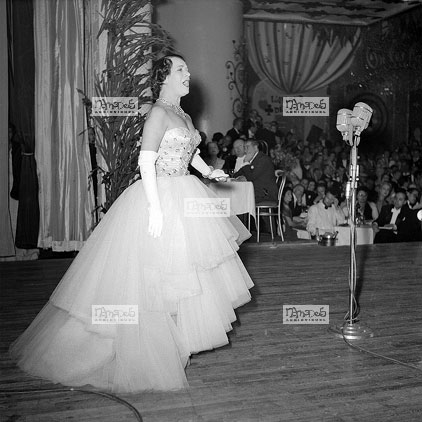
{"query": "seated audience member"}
(317, 174)
(413, 199)
(289, 223)
(325, 215)
(250, 129)
(365, 210)
(327, 173)
(396, 223)
(298, 205)
(340, 175)
(320, 192)
(225, 147)
(212, 158)
(259, 170)
(370, 187)
(383, 193)
(310, 193)
(306, 169)
(343, 160)
(235, 161)
(305, 183)
(217, 137)
(295, 174)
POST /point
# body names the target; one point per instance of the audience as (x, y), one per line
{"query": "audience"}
(320, 168)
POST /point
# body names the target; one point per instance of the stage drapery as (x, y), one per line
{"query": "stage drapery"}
(291, 59)
(62, 151)
(6, 236)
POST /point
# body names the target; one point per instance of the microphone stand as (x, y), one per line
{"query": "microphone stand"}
(352, 329)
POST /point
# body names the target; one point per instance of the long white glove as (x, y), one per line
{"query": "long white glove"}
(206, 170)
(146, 163)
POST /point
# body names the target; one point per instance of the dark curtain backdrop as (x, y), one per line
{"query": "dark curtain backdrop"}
(21, 115)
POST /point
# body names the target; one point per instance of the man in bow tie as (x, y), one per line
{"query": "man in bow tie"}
(397, 222)
(325, 215)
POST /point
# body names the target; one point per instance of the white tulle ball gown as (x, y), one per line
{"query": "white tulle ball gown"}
(185, 284)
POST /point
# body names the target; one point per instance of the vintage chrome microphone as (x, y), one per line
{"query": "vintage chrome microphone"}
(344, 124)
(349, 124)
(361, 116)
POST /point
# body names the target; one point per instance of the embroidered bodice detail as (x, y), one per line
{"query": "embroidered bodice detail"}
(175, 152)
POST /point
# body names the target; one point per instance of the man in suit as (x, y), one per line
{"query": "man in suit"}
(397, 222)
(298, 204)
(264, 134)
(236, 131)
(235, 161)
(259, 170)
(325, 215)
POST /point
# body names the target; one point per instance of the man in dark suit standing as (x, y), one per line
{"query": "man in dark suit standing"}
(259, 170)
(236, 131)
(396, 223)
(264, 134)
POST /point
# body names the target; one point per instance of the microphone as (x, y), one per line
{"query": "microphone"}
(361, 116)
(343, 121)
(348, 188)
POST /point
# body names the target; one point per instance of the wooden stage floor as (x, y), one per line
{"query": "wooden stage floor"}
(270, 371)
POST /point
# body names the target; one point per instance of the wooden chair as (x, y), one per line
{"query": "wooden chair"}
(271, 209)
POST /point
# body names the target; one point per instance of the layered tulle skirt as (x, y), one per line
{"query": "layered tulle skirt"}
(184, 286)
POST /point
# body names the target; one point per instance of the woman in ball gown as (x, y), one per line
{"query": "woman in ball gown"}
(181, 272)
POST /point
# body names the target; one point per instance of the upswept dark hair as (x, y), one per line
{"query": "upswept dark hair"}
(160, 70)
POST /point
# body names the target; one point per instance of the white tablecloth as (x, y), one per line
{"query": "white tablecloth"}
(364, 235)
(241, 195)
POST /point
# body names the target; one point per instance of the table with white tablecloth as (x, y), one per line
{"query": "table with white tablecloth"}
(241, 195)
(364, 235)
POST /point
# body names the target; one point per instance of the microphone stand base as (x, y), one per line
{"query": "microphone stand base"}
(349, 331)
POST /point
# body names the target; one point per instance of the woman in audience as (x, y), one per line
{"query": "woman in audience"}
(365, 210)
(212, 158)
(383, 193)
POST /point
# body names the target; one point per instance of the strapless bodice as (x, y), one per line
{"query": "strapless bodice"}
(175, 152)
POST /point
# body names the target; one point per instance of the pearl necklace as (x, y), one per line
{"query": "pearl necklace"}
(177, 109)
